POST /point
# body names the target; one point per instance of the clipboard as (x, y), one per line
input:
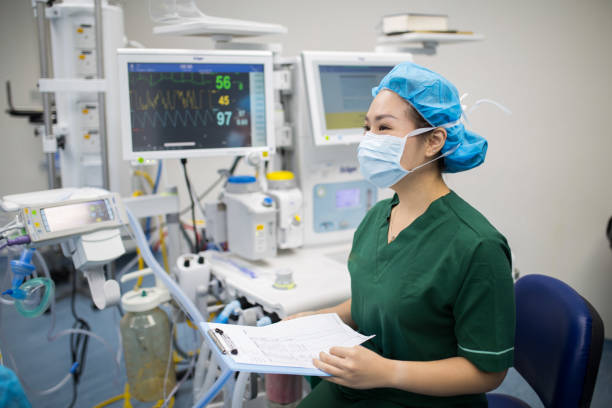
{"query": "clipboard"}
(223, 356)
(287, 347)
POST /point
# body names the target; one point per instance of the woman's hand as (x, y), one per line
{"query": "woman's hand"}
(355, 367)
(301, 314)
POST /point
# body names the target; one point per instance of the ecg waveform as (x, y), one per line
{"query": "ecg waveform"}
(154, 80)
(172, 99)
(172, 119)
(194, 109)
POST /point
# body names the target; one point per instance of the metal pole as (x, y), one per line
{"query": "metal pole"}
(101, 95)
(46, 97)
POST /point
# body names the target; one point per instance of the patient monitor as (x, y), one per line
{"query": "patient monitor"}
(191, 103)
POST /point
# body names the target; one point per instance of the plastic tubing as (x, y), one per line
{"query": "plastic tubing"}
(178, 385)
(133, 261)
(69, 375)
(43, 263)
(30, 286)
(225, 375)
(239, 389)
(58, 386)
(211, 372)
(51, 337)
(6, 301)
(200, 370)
(186, 304)
(230, 308)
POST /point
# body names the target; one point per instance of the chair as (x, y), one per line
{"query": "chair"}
(558, 344)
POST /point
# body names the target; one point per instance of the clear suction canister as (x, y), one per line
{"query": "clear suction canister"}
(146, 345)
(146, 335)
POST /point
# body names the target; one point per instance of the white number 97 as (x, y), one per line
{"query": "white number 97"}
(223, 118)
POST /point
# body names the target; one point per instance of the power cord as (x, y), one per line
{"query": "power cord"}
(193, 219)
(78, 345)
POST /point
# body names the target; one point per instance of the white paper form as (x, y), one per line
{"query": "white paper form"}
(290, 343)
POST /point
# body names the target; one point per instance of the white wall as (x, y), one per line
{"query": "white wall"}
(545, 183)
(22, 163)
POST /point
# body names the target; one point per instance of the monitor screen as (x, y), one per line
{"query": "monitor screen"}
(348, 198)
(187, 108)
(71, 216)
(339, 90)
(347, 93)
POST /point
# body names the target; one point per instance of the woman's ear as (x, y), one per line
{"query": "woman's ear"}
(435, 142)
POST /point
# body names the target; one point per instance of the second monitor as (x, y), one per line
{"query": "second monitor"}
(339, 87)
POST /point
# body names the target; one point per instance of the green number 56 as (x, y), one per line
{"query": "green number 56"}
(223, 82)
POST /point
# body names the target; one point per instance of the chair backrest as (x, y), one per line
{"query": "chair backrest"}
(559, 340)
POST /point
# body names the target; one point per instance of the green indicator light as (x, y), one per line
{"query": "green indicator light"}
(140, 160)
(33, 212)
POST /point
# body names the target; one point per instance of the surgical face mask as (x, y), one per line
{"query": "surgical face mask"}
(379, 156)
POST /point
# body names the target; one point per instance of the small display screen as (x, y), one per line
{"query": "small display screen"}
(177, 106)
(347, 93)
(71, 216)
(348, 198)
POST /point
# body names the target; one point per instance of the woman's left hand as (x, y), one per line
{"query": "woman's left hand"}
(355, 367)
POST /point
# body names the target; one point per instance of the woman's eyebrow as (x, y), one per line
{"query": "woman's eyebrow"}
(379, 117)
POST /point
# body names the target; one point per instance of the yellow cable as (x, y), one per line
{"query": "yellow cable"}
(162, 243)
(125, 397)
(140, 267)
(127, 401)
(140, 260)
(191, 324)
(146, 176)
(161, 402)
(110, 401)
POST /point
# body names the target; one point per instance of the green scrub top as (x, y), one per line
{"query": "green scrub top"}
(442, 288)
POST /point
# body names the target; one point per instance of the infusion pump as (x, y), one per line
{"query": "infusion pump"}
(53, 223)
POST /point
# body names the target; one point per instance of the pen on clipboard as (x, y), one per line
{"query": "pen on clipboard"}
(222, 341)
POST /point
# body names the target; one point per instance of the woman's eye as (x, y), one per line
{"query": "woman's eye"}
(383, 127)
(366, 128)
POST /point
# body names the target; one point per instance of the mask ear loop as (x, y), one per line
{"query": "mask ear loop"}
(447, 153)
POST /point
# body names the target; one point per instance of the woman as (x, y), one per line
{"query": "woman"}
(430, 276)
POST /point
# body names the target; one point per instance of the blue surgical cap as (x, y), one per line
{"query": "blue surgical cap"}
(437, 100)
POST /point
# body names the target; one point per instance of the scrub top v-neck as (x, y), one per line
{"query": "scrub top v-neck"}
(442, 288)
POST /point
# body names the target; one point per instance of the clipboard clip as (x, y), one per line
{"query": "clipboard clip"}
(222, 341)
